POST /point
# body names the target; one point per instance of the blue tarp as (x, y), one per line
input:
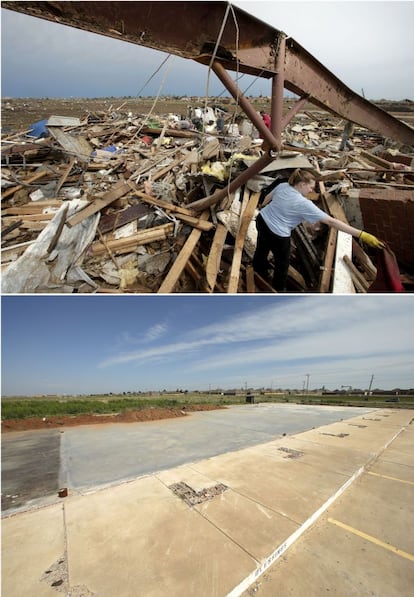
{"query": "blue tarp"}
(38, 129)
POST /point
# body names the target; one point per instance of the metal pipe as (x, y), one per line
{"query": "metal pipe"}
(278, 86)
(213, 199)
(293, 111)
(246, 106)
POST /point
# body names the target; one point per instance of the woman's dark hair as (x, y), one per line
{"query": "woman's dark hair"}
(300, 176)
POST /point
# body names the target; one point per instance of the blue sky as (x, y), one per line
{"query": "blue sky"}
(367, 44)
(71, 345)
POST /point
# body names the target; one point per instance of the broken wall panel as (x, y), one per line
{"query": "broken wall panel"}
(389, 214)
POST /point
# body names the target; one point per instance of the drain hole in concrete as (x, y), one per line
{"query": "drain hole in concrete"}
(290, 453)
(191, 497)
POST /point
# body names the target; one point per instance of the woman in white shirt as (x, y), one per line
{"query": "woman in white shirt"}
(285, 208)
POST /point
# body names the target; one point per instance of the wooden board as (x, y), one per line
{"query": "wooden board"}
(325, 282)
(73, 145)
(179, 264)
(119, 189)
(342, 283)
(214, 257)
(245, 219)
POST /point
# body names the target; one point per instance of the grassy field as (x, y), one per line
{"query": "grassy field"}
(24, 407)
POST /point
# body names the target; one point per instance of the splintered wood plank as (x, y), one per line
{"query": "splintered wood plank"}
(250, 285)
(358, 279)
(179, 264)
(128, 243)
(214, 257)
(246, 217)
(342, 283)
(181, 213)
(262, 284)
(297, 278)
(364, 260)
(335, 209)
(328, 261)
(33, 207)
(167, 169)
(119, 189)
(65, 175)
(325, 281)
(74, 145)
(160, 202)
(29, 180)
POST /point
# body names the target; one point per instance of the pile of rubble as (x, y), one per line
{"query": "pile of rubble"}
(108, 203)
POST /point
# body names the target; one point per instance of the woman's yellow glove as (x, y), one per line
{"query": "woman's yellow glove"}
(371, 240)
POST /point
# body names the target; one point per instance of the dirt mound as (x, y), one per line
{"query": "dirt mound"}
(130, 416)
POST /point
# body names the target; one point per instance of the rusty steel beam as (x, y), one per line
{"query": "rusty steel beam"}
(246, 106)
(247, 45)
(235, 184)
(297, 107)
(278, 86)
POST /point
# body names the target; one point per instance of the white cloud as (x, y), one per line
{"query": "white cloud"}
(156, 331)
(334, 336)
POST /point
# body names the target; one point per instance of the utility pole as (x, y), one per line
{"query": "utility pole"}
(307, 382)
(370, 384)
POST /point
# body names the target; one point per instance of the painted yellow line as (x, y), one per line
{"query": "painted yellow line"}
(398, 552)
(391, 478)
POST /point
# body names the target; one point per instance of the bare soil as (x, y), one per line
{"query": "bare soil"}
(130, 416)
(17, 114)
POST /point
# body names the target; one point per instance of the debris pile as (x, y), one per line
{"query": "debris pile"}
(108, 203)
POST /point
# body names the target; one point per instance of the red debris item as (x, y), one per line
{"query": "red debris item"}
(388, 274)
(63, 492)
(147, 140)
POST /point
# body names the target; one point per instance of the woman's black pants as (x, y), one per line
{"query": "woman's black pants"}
(267, 242)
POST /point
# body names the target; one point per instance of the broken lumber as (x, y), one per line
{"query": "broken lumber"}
(118, 190)
(77, 146)
(214, 257)
(129, 243)
(65, 175)
(179, 212)
(358, 279)
(179, 264)
(245, 219)
(12, 190)
(342, 283)
(325, 281)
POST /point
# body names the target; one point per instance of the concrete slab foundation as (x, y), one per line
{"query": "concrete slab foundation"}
(329, 509)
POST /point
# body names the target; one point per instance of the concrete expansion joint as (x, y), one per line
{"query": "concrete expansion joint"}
(267, 506)
(57, 575)
(281, 549)
(232, 539)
